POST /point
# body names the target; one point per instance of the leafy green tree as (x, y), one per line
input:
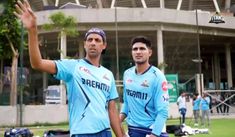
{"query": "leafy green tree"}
(67, 26)
(10, 39)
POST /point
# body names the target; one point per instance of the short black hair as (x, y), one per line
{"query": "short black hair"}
(141, 39)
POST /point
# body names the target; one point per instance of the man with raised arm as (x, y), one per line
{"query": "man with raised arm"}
(91, 95)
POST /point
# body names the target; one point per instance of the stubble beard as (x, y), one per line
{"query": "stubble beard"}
(94, 54)
(140, 62)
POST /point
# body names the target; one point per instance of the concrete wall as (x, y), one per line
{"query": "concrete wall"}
(55, 114)
(33, 114)
(8, 115)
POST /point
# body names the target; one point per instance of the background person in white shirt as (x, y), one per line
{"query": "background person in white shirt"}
(181, 102)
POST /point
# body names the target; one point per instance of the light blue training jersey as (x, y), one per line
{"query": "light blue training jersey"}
(146, 99)
(205, 103)
(196, 104)
(89, 89)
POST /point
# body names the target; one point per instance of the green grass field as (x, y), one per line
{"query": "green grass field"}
(218, 128)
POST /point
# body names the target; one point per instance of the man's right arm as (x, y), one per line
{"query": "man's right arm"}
(35, 55)
(26, 15)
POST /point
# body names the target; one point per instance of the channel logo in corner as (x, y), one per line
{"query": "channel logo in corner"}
(164, 86)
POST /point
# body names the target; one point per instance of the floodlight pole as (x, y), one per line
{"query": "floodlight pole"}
(116, 44)
(199, 53)
(21, 74)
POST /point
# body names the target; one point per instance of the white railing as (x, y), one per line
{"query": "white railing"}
(226, 99)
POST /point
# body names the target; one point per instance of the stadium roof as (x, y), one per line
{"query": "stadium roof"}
(179, 38)
(206, 5)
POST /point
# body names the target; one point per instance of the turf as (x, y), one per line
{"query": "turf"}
(218, 128)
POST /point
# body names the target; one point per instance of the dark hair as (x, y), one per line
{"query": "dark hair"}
(196, 94)
(141, 39)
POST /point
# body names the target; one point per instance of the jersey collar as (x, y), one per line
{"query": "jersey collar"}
(144, 71)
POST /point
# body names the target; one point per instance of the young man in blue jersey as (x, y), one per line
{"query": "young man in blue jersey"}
(205, 101)
(146, 99)
(91, 95)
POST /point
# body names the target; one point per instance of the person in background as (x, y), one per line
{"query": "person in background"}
(218, 98)
(146, 98)
(210, 104)
(181, 102)
(227, 103)
(91, 95)
(196, 108)
(205, 109)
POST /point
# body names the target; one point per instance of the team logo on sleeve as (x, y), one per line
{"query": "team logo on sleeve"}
(165, 97)
(164, 86)
(145, 83)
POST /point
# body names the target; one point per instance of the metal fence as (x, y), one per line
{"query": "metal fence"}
(222, 101)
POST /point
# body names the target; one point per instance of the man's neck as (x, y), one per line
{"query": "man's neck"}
(93, 61)
(141, 68)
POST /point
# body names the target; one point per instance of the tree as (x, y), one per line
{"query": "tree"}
(10, 39)
(67, 27)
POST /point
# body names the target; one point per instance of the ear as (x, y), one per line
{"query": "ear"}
(104, 46)
(104, 49)
(150, 52)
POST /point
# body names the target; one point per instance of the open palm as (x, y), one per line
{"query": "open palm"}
(25, 14)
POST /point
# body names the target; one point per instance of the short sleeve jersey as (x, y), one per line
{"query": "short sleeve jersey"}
(205, 103)
(196, 104)
(146, 99)
(89, 89)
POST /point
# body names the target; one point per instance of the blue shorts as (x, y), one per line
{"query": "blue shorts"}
(182, 111)
(104, 133)
(142, 132)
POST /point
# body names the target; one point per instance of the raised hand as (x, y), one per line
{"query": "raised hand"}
(25, 14)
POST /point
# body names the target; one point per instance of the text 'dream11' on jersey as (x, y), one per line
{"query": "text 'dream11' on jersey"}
(89, 89)
(146, 99)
